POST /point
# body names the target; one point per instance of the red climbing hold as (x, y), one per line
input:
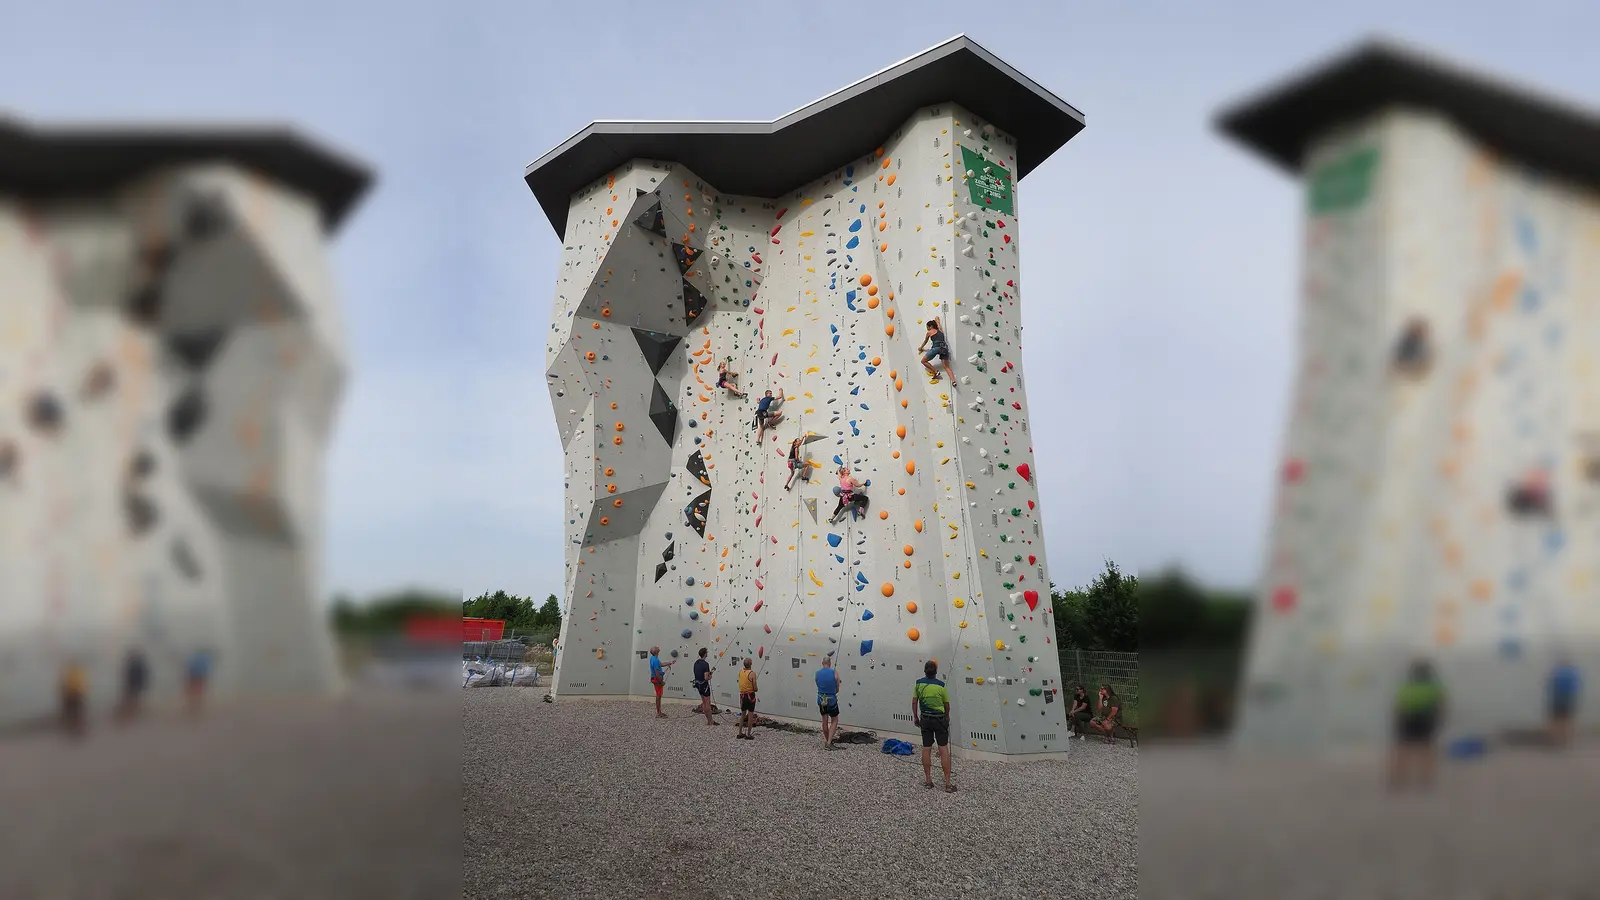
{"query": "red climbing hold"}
(774, 359)
(1015, 405)
(1011, 284)
(758, 310)
(1006, 238)
(1283, 599)
(758, 521)
(1033, 599)
(757, 607)
(1000, 223)
(760, 586)
(1293, 471)
(781, 212)
(1031, 558)
(757, 256)
(774, 231)
(1022, 469)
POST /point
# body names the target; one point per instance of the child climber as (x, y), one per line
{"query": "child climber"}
(725, 379)
(940, 351)
(796, 463)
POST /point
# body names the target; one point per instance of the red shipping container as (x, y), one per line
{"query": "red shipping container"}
(482, 629)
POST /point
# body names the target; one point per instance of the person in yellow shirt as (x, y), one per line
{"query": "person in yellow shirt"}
(747, 701)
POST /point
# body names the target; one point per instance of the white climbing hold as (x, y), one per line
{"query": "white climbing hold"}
(964, 319)
(1016, 598)
(983, 452)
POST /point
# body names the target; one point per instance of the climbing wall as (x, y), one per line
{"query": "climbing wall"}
(170, 367)
(1405, 524)
(681, 532)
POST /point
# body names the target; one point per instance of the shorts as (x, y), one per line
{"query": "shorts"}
(936, 353)
(659, 688)
(747, 702)
(1561, 708)
(1416, 728)
(703, 688)
(935, 730)
(828, 705)
(794, 464)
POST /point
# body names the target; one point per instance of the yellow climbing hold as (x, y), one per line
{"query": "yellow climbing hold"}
(960, 603)
(814, 579)
(999, 645)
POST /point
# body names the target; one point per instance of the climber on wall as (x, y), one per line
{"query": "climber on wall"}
(930, 711)
(828, 700)
(940, 351)
(725, 379)
(850, 496)
(658, 677)
(796, 462)
(767, 413)
(747, 701)
(702, 685)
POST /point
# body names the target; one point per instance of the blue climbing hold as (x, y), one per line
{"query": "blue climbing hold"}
(853, 243)
(687, 633)
(693, 615)
(833, 540)
(861, 577)
(866, 615)
(866, 647)
(690, 582)
(836, 490)
(855, 226)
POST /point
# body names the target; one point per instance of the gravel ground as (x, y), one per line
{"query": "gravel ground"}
(1520, 824)
(350, 799)
(601, 799)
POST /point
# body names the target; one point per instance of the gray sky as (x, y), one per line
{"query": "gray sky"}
(1160, 264)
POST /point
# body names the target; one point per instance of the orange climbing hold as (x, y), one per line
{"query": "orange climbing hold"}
(589, 356)
(917, 525)
(872, 290)
(908, 551)
(619, 426)
(911, 606)
(891, 179)
(604, 520)
(613, 405)
(911, 467)
(866, 281)
(890, 312)
(889, 330)
(886, 163)
(913, 634)
(883, 514)
(872, 303)
(617, 503)
(888, 589)
(899, 431)
(895, 454)
(610, 471)
(877, 360)
(899, 384)
(611, 489)
(606, 312)
(617, 440)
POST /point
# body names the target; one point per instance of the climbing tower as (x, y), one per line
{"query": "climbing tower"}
(171, 359)
(808, 253)
(1439, 494)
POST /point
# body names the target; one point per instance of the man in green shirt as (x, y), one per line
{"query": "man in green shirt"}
(1418, 708)
(930, 711)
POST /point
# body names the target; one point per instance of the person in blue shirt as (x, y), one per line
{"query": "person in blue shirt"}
(940, 351)
(767, 413)
(1565, 682)
(828, 700)
(658, 677)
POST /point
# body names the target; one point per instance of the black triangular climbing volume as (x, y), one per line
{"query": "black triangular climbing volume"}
(694, 303)
(697, 512)
(686, 257)
(667, 554)
(652, 220)
(196, 350)
(697, 468)
(661, 569)
(663, 413)
(656, 347)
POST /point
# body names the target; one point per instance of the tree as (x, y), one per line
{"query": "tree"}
(1102, 616)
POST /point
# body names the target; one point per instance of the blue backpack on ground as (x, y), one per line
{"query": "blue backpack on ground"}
(898, 747)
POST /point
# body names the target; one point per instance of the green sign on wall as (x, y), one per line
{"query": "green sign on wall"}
(1344, 183)
(990, 189)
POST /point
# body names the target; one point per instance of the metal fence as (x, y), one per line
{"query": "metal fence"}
(1092, 668)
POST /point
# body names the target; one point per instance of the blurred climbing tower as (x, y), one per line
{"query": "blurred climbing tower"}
(171, 360)
(808, 254)
(1439, 494)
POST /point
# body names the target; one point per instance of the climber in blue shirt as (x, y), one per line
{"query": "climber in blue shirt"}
(767, 413)
(939, 351)
(828, 700)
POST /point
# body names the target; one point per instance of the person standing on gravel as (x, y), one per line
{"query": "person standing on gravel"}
(828, 700)
(658, 678)
(702, 685)
(930, 711)
(747, 701)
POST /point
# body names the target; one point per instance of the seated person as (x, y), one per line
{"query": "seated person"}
(1110, 713)
(797, 463)
(1079, 714)
(767, 413)
(850, 496)
(725, 379)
